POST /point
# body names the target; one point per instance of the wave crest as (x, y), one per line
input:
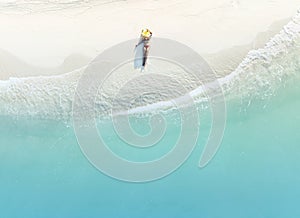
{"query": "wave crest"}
(51, 97)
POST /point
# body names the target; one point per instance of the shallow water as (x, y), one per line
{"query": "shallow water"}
(254, 174)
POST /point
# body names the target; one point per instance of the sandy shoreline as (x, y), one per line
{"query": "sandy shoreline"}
(227, 60)
(221, 31)
(263, 68)
(222, 62)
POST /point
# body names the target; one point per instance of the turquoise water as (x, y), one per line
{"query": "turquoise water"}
(255, 173)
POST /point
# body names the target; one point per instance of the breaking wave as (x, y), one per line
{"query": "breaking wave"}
(258, 75)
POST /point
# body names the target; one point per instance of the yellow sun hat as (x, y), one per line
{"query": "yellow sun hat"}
(146, 33)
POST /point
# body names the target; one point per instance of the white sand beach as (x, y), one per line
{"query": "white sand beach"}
(43, 35)
(45, 47)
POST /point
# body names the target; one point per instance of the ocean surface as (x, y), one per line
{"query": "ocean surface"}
(255, 172)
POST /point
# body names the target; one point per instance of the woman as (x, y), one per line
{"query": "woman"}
(145, 38)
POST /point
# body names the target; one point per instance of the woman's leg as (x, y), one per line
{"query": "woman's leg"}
(146, 51)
